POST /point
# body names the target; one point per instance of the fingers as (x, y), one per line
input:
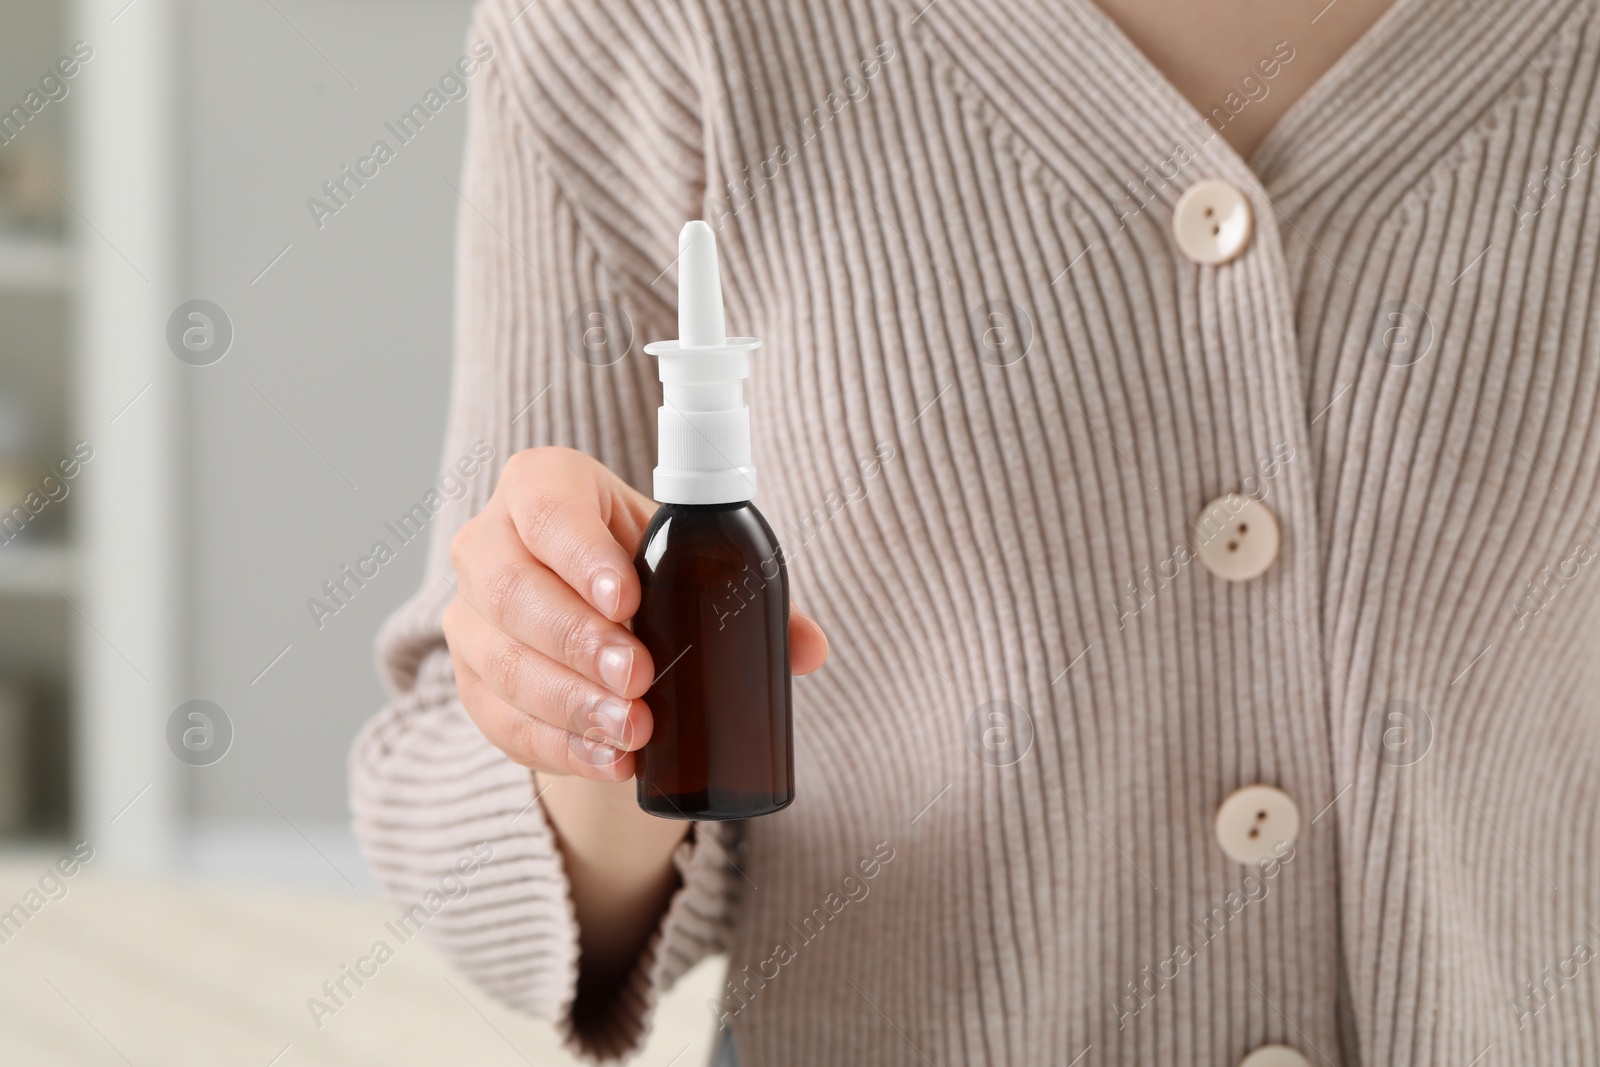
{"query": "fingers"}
(561, 508)
(535, 743)
(545, 664)
(518, 696)
(808, 645)
(528, 602)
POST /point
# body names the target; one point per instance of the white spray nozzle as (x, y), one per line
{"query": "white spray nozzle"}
(704, 425)
(700, 317)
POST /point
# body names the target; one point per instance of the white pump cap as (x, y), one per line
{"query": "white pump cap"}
(703, 438)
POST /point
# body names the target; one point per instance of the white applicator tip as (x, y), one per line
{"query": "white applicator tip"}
(700, 316)
(703, 427)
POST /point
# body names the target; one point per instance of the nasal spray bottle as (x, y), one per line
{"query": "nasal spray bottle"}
(715, 607)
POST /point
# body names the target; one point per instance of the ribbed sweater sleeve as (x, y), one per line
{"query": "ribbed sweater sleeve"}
(559, 255)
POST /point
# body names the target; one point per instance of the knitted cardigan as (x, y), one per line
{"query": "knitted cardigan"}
(994, 396)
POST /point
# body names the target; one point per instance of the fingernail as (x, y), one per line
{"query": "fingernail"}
(616, 667)
(607, 591)
(597, 754)
(608, 724)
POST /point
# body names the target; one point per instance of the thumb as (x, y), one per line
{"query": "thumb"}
(808, 645)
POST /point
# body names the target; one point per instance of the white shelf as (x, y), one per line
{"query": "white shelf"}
(37, 570)
(34, 264)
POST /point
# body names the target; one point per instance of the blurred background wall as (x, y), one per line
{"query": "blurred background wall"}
(320, 423)
(325, 420)
(212, 400)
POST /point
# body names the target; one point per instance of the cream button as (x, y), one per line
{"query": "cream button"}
(1256, 821)
(1212, 222)
(1236, 537)
(1274, 1056)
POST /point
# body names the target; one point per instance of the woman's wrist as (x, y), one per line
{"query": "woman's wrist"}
(619, 865)
(602, 825)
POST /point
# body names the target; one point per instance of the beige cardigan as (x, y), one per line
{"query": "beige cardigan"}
(995, 395)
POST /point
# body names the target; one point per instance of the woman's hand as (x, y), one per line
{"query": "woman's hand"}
(549, 671)
(544, 661)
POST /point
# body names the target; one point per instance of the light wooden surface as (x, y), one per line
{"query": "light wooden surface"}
(121, 973)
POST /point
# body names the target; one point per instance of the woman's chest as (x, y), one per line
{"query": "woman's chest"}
(1056, 316)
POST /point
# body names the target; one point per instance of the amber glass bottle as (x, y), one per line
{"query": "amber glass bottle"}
(715, 617)
(715, 606)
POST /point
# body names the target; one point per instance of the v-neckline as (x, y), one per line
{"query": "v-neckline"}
(1300, 113)
(1402, 88)
(1051, 80)
(1312, 102)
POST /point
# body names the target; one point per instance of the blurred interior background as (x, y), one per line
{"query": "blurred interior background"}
(211, 401)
